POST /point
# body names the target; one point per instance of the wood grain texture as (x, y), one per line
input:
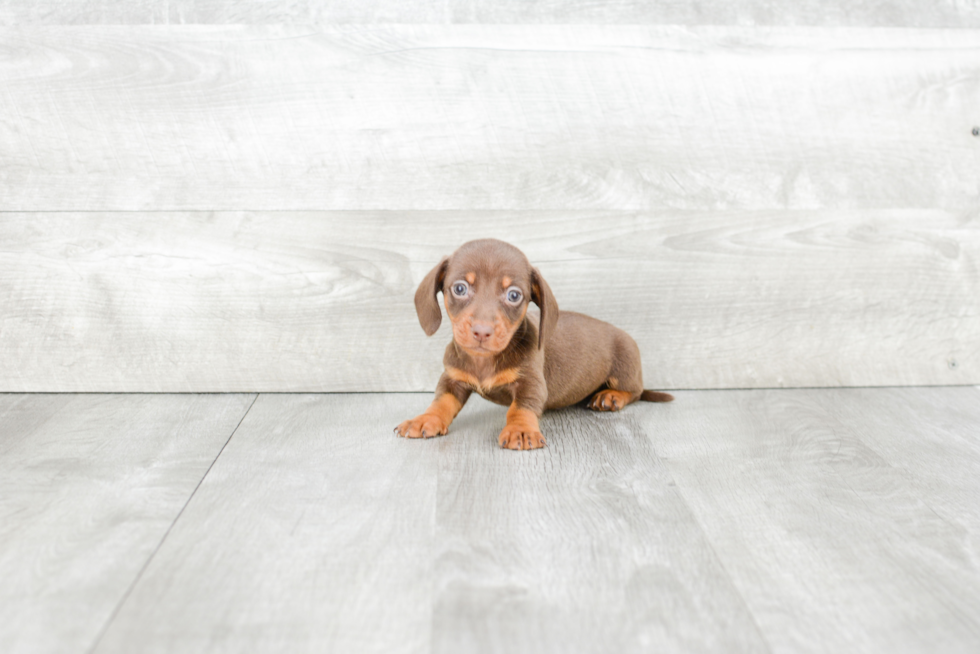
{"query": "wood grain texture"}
(89, 485)
(871, 13)
(264, 301)
(820, 520)
(319, 530)
(312, 533)
(845, 517)
(930, 436)
(487, 117)
(583, 546)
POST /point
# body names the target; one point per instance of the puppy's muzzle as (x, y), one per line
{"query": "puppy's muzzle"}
(481, 332)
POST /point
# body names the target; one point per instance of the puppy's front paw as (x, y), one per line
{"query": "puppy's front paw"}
(521, 437)
(609, 400)
(423, 426)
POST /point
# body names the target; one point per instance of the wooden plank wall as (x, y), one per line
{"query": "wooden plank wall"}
(831, 13)
(770, 195)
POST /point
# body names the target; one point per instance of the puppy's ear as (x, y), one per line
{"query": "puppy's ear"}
(542, 296)
(426, 303)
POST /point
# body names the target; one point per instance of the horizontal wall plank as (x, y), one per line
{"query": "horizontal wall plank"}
(89, 486)
(474, 117)
(323, 301)
(872, 13)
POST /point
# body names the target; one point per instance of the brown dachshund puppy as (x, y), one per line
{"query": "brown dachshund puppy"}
(499, 353)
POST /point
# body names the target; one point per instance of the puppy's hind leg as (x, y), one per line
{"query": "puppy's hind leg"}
(624, 384)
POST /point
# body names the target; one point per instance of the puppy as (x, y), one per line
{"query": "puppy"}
(502, 355)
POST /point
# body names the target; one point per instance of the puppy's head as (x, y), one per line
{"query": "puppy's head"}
(486, 286)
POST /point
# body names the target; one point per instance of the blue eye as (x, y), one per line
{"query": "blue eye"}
(514, 295)
(460, 289)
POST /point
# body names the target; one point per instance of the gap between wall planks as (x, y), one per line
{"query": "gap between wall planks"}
(487, 117)
(323, 301)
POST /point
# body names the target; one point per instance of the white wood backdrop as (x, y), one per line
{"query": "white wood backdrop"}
(322, 301)
(249, 207)
(935, 13)
(468, 117)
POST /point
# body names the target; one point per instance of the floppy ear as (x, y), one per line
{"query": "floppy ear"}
(426, 304)
(542, 296)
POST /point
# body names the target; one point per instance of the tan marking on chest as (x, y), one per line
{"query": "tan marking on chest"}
(484, 386)
(462, 376)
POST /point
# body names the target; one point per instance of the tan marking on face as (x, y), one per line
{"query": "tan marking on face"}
(505, 282)
(503, 331)
(471, 278)
(484, 386)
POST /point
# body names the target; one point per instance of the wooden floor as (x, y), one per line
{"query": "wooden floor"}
(825, 520)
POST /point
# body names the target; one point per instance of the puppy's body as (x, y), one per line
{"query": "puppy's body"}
(570, 371)
(501, 354)
(585, 355)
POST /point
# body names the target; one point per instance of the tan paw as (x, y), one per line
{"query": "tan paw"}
(423, 426)
(521, 437)
(609, 400)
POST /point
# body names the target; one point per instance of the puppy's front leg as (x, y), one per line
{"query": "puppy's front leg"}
(450, 398)
(522, 431)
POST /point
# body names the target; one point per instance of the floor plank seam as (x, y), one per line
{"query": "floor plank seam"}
(707, 539)
(149, 559)
(724, 568)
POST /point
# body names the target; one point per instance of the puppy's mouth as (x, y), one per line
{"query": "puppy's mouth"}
(478, 348)
(481, 349)
(495, 343)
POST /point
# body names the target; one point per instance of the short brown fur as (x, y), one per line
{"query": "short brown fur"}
(530, 366)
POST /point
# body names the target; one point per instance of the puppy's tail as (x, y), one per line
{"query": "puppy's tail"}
(656, 396)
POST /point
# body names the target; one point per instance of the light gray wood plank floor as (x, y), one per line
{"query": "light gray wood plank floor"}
(89, 485)
(847, 519)
(820, 520)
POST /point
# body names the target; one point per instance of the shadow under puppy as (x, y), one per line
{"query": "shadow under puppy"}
(499, 353)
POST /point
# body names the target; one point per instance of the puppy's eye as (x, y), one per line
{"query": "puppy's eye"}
(514, 295)
(460, 289)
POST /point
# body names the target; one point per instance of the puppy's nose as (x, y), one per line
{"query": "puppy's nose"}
(482, 332)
